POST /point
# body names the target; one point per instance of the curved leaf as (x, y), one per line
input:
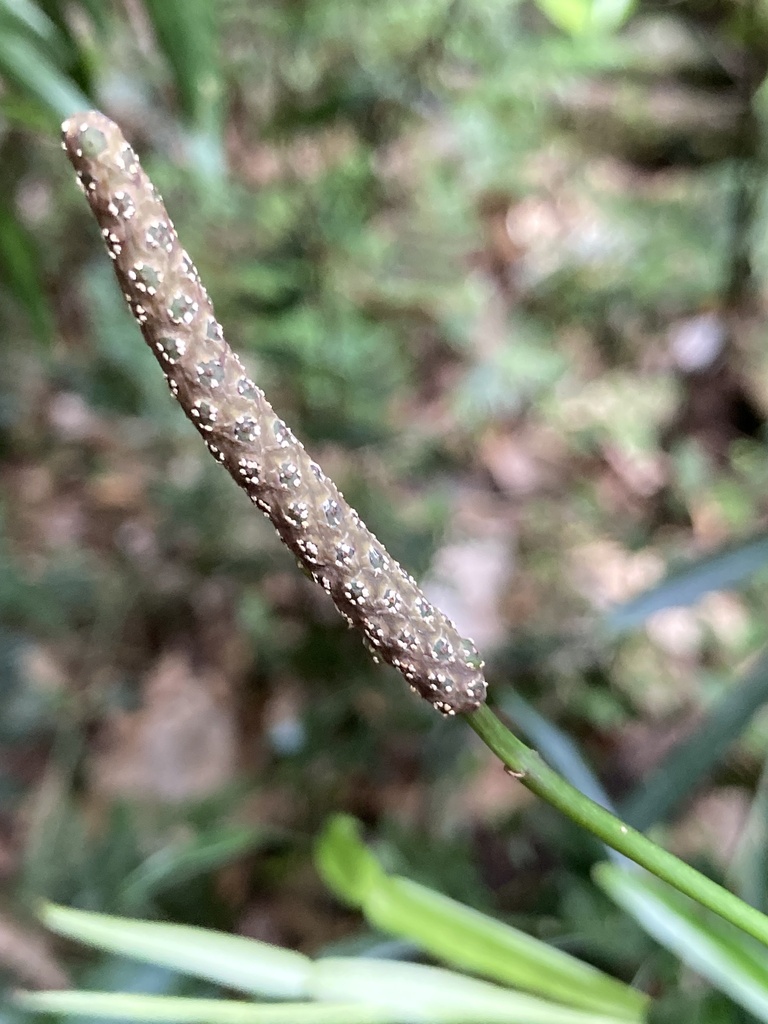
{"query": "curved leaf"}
(403, 991)
(729, 959)
(685, 586)
(461, 936)
(345, 863)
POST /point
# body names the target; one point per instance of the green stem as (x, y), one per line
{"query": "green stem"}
(527, 765)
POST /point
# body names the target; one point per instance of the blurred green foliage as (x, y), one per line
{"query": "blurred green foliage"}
(501, 265)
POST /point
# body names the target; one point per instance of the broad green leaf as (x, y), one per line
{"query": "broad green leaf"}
(182, 1010)
(410, 992)
(461, 936)
(689, 763)
(242, 964)
(31, 71)
(730, 960)
(418, 993)
(20, 270)
(465, 938)
(685, 586)
(577, 17)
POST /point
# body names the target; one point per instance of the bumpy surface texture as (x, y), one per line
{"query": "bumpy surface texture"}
(243, 432)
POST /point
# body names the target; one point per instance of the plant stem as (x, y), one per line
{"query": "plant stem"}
(527, 765)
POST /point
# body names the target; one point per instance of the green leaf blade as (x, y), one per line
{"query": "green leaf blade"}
(20, 269)
(32, 72)
(730, 960)
(722, 570)
(203, 854)
(345, 863)
(414, 992)
(183, 1010)
(461, 936)
(188, 39)
(689, 763)
(243, 964)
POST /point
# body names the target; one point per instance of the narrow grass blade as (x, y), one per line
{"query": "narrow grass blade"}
(23, 15)
(556, 748)
(461, 936)
(686, 585)
(187, 37)
(26, 66)
(20, 270)
(729, 959)
(689, 763)
(173, 865)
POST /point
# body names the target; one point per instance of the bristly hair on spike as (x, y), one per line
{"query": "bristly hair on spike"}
(243, 432)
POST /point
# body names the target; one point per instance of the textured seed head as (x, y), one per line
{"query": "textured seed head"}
(242, 431)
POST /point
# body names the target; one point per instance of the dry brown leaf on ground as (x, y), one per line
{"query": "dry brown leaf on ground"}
(181, 744)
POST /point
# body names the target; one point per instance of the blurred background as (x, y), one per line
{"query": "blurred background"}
(502, 266)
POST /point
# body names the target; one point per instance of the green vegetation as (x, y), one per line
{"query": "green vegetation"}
(501, 266)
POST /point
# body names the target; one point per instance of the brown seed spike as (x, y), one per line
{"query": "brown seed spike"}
(241, 429)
